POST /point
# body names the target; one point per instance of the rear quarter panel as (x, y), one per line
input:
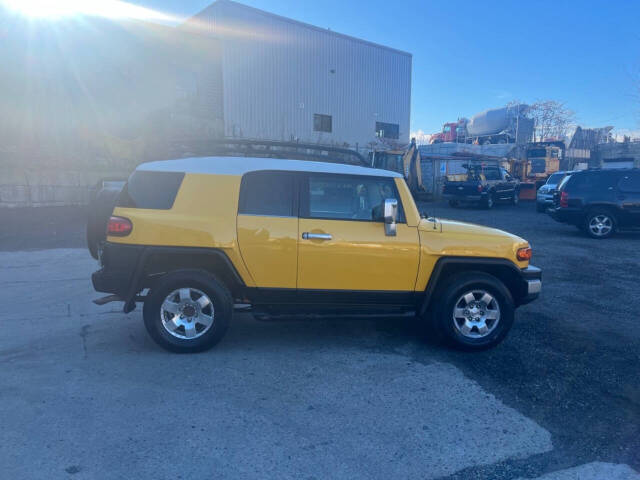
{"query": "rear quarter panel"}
(203, 215)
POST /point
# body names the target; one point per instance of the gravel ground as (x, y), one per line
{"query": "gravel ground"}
(85, 388)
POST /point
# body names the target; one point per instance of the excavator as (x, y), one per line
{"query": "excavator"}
(404, 161)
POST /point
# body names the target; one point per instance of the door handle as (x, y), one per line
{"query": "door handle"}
(316, 236)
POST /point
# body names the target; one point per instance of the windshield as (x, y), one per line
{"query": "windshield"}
(537, 152)
(555, 178)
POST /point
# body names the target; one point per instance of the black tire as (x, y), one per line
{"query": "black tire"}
(191, 279)
(441, 321)
(609, 223)
(453, 203)
(516, 198)
(489, 202)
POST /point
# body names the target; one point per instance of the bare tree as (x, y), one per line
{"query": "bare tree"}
(552, 119)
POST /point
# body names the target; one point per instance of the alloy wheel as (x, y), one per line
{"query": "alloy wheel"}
(600, 225)
(187, 313)
(476, 314)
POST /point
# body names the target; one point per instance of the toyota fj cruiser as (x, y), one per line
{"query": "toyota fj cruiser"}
(191, 238)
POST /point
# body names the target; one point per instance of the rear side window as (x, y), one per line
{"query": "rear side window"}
(630, 183)
(267, 193)
(593, 181)
(154, 190)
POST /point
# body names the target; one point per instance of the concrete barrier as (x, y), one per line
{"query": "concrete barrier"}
(48, 187)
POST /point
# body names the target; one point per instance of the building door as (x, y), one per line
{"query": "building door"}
(342, 241)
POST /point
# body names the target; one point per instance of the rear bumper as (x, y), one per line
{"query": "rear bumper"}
(119, 264)
(533, 278)
(565, 215)
(544, 198)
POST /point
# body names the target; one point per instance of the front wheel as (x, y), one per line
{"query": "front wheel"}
(516, 198)
(475, 312)
(187, 311)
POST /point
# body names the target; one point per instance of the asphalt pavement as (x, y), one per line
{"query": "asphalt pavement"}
(85, 393)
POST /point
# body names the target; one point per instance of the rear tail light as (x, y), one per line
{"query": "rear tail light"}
(524, 254)
(564, 199)
(119, 227)
(480, 188)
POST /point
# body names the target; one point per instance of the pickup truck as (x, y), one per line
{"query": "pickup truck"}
(483, 184)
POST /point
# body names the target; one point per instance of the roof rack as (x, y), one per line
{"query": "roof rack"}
(234, 147)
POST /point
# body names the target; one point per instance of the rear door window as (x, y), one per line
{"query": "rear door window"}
(267, 193)
(152, 190)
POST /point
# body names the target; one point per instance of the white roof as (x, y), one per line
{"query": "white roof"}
(242, 165)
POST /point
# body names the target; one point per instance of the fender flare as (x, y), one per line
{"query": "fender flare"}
(141, 272)
(474, 264)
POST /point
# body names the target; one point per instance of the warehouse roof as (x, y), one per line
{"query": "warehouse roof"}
(242, 165)
(296, 22)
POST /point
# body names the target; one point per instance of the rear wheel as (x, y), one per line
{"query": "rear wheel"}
(600, 223)
(475, 312)
(187, 311)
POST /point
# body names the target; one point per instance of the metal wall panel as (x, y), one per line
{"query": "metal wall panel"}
(278, 72)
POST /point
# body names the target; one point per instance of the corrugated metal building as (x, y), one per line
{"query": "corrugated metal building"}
(287, 80)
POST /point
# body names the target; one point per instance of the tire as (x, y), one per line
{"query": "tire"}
(600, 223)
(181, 290)
(489, 202)
(516, 198)
(446, 322)
(453, 203)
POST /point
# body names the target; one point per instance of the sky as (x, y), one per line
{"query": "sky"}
(471, 55)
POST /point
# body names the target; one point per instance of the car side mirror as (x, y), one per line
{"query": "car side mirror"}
(390, 216)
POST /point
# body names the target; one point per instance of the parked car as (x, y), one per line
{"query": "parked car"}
(482, 184)
(599, 202)
(544, 196)
(203, 234)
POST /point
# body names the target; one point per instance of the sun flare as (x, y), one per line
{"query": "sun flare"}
(69, 8)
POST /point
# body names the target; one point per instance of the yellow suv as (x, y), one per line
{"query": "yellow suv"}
(193, 237)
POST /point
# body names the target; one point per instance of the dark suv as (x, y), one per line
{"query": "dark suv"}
(599, 202)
